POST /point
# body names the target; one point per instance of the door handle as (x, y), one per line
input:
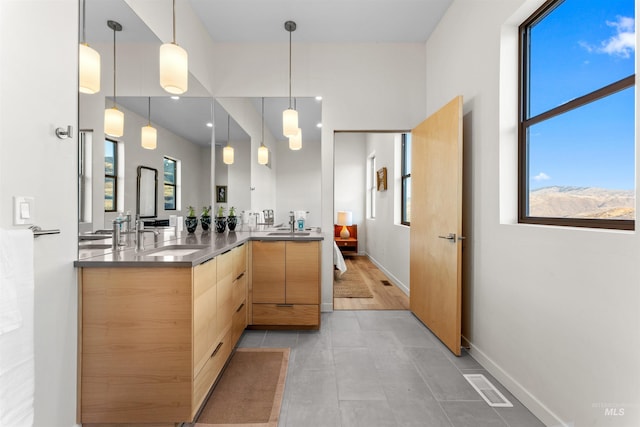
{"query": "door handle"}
(451, 237)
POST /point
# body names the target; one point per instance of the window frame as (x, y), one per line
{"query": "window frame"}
(371, 186)
(114, 176)
(524, 123)
(404, 176)
(174, 184)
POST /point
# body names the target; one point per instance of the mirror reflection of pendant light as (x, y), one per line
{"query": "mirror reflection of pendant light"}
(290, 115)
(174, 64)
(227, 152)
(263, 151)
(88, 63)
(114, 118)
(149, 134)
(295, 141)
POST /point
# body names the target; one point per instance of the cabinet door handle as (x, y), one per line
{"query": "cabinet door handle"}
(240, 308)
(238, 278)
(216, 350)
(284, 305)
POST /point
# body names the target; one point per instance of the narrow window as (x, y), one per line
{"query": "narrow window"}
(577, 115)
(110, 175)
(170, 184)
(406, 179)
(371, 187)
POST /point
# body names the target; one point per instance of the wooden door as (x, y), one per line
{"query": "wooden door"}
(268, 272)
(303, 272)
(436, 223)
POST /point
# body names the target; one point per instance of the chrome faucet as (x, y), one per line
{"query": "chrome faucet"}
(115, 236)
(140, 230)
(292, 221)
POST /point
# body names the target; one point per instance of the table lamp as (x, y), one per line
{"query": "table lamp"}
(344, 218)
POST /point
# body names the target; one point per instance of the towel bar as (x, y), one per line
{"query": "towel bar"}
(37, 231)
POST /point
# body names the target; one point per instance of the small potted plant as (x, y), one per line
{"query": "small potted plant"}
(205, 218)
(191, 221)
(232, 219)
(221, 221)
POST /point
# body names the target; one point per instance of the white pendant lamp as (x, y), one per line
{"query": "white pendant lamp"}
(290, 115)
(174, 64)
(227, 152)
(295, 142)
(149, 134)
(263, 151)
(88, 63)
(114, 118)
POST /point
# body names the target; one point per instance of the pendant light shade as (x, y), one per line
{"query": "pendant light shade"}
(149, 134)
(113, 122)
(263, 151)
(89, 69)
(295, 142)
(88, 63)
(174, 64)
(290, 115)
(227, 152)
(289, 122)
(114, 118)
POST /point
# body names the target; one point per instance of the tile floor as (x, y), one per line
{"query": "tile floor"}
(380, 368)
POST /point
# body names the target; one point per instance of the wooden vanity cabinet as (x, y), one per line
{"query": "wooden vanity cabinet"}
(286, 283)
(153, 341)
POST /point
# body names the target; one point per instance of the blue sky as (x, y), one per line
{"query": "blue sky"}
(581, 46)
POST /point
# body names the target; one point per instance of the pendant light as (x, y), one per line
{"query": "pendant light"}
(295, 141)
(149, 134)
(263, 151)
(174, 64)
(227, 152)
(88, 63)
(290, 115)
(114, 118)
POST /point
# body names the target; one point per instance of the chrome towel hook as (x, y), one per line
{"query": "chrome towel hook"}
(64, 134)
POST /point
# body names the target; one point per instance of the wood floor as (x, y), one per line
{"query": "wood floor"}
(384, 297)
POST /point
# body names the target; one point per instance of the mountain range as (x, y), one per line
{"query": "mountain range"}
(582, 202)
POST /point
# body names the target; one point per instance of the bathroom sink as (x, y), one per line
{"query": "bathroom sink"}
(95, 246)
(288, 233)
(175, 250)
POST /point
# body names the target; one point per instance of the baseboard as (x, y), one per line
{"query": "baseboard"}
(326, 307)
(404, 288)
(539, 409)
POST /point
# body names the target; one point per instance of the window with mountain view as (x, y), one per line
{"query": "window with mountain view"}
(110, 175)
(170, 184)
(577, 115)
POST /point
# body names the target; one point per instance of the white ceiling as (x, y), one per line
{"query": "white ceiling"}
(318, 21)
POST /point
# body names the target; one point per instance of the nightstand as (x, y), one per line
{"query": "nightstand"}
(347, 245)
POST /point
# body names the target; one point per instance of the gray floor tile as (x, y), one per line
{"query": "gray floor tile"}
(444, 379)
(472, 414)
(347, 338)
(313, 387)
(251, 338)
(380, 340)
(313, 415)
(276, 339)
(365, 413)
(356, 375)
(412, 413)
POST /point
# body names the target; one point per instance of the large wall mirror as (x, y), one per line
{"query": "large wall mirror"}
(147, 192)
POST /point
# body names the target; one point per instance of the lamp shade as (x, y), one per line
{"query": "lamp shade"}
(227, 155)
(345, 218)
(289, 122)
(263, 155)
(174, 68)
(295, 142)
(149, 137)
(113, 122)
(89, 69)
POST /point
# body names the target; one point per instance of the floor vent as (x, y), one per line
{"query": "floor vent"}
(488, 391)
(386, 282)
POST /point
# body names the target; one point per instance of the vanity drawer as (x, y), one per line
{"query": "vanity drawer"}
(239, 322)
(239, 291)
(210, 371)
(286, 314)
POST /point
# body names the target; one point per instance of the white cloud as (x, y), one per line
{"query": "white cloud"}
(541, 177)
(623, 43)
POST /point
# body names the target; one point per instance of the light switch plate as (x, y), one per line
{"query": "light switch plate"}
(23, 210)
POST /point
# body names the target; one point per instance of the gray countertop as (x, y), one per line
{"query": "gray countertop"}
(170, 249)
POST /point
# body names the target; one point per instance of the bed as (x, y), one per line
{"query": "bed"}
(338, 259)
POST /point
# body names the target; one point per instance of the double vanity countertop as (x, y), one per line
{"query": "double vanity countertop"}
(179, 249)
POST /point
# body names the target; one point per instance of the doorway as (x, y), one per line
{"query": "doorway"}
(374, 274)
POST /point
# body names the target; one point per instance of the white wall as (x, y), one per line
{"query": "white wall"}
(350, 180)
(387, 241)
(298, 182)
(38, 83)
(552, 312)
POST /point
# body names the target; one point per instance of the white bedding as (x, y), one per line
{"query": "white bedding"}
(338, 259)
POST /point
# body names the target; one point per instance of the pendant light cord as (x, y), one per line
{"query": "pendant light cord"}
(262, 139)
(149, 117)
(228, 129)
(289, 69)
(84, 20)
(174, 21)
(114, 68)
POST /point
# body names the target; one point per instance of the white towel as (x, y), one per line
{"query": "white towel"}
(300, 215)
(16, 328)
